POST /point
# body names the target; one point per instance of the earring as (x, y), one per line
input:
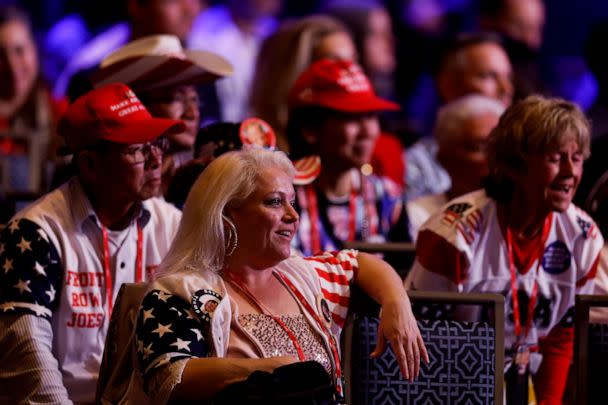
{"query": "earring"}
(232, 238)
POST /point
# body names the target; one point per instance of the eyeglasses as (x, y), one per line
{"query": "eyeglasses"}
(142, 153)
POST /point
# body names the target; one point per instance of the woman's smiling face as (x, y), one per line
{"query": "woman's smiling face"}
(553, 176)
(347, 140)
(266, 221)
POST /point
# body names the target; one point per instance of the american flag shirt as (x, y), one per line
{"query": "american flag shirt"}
(187, 315)
(31, 271)
(51, 267)
(462, 248)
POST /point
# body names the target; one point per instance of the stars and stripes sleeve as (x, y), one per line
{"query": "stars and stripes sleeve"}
(336, 271)
(587, 252)
(439, 265)
(30, 270)
(167, 330)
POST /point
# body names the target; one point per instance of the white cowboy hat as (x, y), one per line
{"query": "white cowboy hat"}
(159, 61)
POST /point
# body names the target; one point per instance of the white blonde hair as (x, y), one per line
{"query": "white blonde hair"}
(452, 116)
(231, 178)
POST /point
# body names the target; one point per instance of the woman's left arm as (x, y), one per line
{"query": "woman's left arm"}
(397, 323)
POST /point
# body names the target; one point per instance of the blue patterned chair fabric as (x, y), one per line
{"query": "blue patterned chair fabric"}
(461, 370)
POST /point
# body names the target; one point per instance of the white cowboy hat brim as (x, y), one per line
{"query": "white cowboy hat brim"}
(147, 72)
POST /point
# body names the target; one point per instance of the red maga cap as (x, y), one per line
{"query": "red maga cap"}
(339, 85)
(112, 113)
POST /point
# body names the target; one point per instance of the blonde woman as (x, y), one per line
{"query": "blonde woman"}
(230, 298)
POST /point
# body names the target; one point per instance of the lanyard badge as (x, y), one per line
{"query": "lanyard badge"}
(521, 350)
(522, 358)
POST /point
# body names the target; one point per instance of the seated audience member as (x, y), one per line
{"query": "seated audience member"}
(65, 257)
(372, 31)
(474, 63)
(371, 27)
(522, 237)
(285, 55)
(165, 82)
(520, 25)
(28, 112)
(296, 44)
(461, 131)
(230, 299)
(333, 114)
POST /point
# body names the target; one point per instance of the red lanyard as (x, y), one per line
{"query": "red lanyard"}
(534, 294)
(292, 336)
(106, 263)
(326, 331)
(313, 212)
(266, 311)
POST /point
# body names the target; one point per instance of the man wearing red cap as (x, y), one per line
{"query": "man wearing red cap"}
(333, 114)
(65, 257)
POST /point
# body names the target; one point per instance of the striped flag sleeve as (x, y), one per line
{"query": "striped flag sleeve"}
(336, 271)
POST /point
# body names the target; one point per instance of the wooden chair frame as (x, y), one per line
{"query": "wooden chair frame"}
(387, 248)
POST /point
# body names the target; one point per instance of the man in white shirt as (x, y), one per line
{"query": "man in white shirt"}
(64, 257)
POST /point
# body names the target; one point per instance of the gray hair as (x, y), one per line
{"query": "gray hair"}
(227, 181)
(450, 118)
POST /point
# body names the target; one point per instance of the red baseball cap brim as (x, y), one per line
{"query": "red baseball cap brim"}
(139, 131)
(112, 113)
(353, 102)
(142, 131)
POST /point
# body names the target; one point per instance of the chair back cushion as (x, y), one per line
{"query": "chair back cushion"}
(461, 368)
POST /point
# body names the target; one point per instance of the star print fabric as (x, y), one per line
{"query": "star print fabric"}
(30, 270)
(167, 331)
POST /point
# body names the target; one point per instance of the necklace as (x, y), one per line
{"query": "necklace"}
(333, 345)
(266, 311)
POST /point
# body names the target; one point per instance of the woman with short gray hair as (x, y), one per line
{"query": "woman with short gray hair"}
(522, 237)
